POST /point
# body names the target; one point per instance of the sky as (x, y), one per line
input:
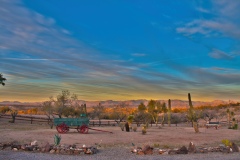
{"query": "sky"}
(120, 50)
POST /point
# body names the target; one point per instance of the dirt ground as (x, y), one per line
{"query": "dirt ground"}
(165, 137)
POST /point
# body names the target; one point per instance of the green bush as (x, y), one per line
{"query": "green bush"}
(226, 142)
(235, 126)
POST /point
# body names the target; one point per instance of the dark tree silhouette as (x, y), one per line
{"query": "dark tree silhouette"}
(2, 79)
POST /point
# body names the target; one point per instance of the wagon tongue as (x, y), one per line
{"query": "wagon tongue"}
(99, 130)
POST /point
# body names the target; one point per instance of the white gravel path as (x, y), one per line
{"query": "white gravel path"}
(114, 154)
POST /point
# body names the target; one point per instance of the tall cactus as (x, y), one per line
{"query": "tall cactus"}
(169, 112)
(190, 101)
(192, 116)
(13, 114)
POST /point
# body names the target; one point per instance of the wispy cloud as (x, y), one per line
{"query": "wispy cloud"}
(224, 22)
(138, 54)
(202, 10)
(217, 54)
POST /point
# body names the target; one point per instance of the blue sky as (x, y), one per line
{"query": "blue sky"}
(120, 50)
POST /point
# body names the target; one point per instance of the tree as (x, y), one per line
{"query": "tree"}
(177, 118)
(62, 101)
(2, 79)
(48, 110)
(208, 115)
(141, 116)
(120, 112)
(155, 108)
(4, 109)
(163, 109)
(142, 107)
(98, 112)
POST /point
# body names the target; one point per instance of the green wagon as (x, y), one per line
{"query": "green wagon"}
(81, 124)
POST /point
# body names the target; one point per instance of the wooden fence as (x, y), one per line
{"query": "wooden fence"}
(30, 119)
(34, 119)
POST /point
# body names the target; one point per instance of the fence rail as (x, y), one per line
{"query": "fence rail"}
(35, 119)
(31, 119)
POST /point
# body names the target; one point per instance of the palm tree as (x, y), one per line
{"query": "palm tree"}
(2, 79)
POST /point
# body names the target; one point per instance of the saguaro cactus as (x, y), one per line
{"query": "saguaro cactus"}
(13, 114)
(169, 112)
(192, 116)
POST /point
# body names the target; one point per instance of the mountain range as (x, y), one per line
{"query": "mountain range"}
(130, 103)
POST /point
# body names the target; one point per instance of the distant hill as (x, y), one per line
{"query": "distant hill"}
(130, 103)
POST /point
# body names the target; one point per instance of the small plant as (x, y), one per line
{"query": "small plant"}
(122, 126)
(166, 146)
(57, 139)
(144, 129)
(135, 128)
(227, 143)
(156, 145)
(235, 126)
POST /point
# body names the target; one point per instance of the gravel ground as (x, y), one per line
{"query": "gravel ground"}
(114, 153)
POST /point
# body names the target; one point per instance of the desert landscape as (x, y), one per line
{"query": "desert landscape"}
(101, 80)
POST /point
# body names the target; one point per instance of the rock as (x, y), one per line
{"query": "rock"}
(62, 151)
(76, 152)
(192, 148)
(74, 146)
(15, 149)
(57, 151)
(34, 143)
(147, 150)
(52, 151)
(226, 150)
(47, 147)
(172, 151)
(235, 147)
(94, 150)
(140, 152)
(23, 147)
(182, 150)
(134, 150)
(88, 151)
(202, 150)
(161, 151)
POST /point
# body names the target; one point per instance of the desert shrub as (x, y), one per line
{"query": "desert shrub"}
(144, 129)
(134, 128)
(156, 145)
(226, 142)
(235, 126)
(122, 125)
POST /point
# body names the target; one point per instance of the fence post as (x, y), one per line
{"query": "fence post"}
(108, 123)
(93, 123)
(31, 119)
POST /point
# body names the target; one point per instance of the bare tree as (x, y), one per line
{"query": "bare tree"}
(98, 112)
(48, 110)
(208, 115)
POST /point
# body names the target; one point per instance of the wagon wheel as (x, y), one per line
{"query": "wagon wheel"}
(59, 129)
(62, 128)
(83, 129)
